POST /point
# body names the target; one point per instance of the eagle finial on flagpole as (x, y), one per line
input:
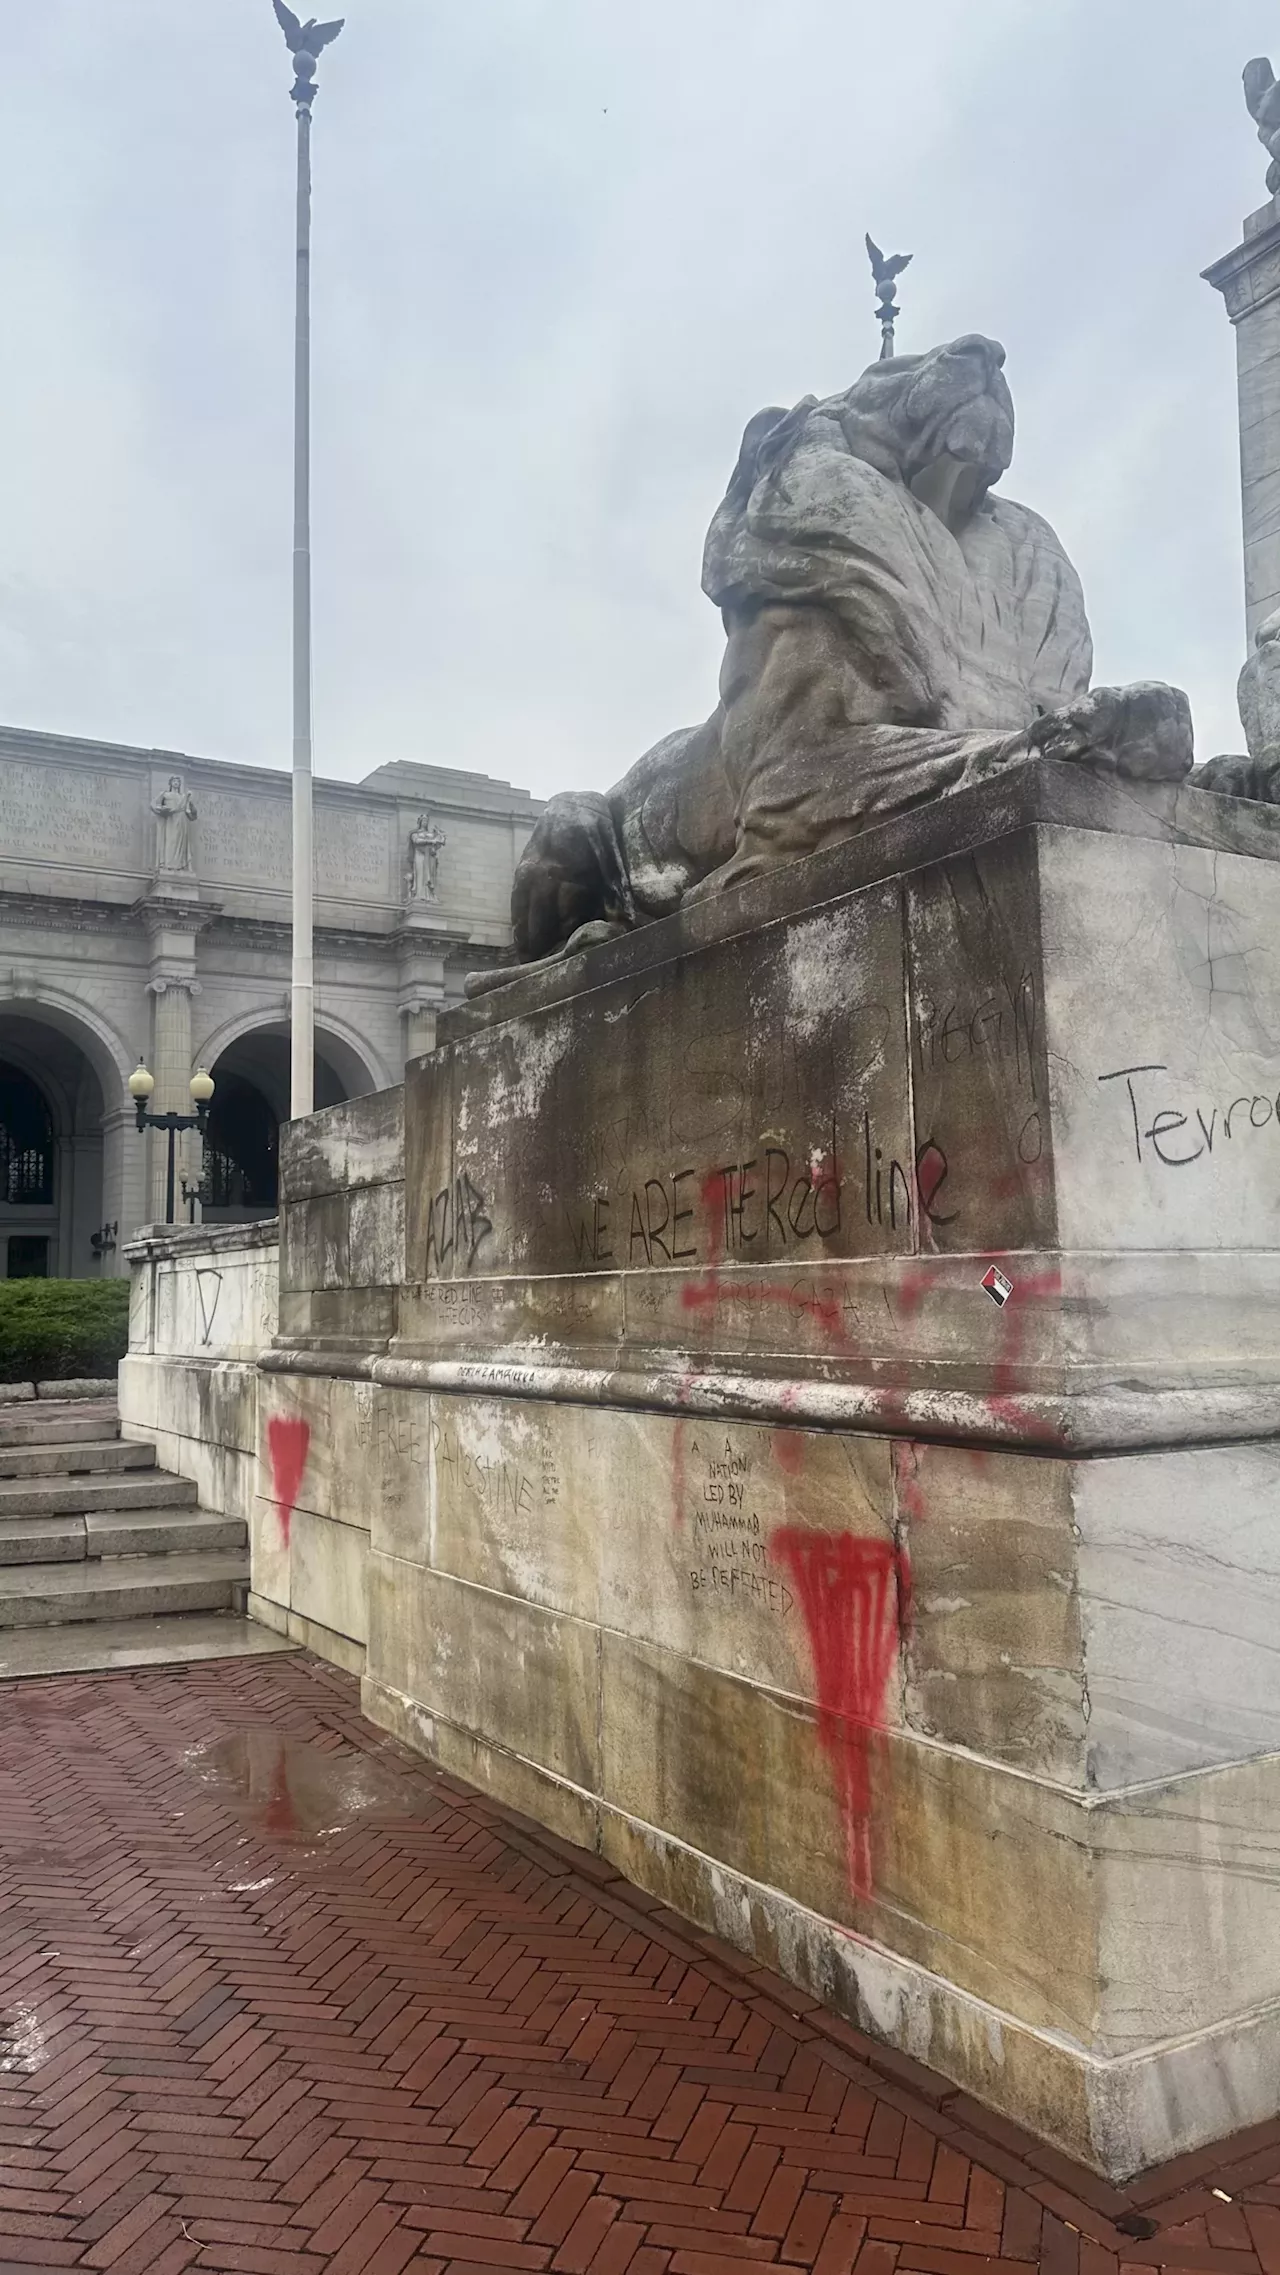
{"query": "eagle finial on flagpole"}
(885, 270)
(305, 43)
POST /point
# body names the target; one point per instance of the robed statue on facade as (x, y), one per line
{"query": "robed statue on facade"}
(426, 843)
(175, 810)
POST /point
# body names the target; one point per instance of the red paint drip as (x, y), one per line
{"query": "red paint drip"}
(853, 1594)
(714, 1195)
(281, 1817)
(1001, 1404)
(915, 1282)
(288, 1442)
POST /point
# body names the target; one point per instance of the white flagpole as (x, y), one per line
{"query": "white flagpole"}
(305, 42)
(302, 988)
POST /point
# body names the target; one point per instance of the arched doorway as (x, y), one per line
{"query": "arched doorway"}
(51, 1155)
(250, 1100)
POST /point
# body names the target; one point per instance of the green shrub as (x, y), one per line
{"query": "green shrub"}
(51, 1330)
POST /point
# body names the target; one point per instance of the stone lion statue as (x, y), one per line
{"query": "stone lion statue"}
(894, 631)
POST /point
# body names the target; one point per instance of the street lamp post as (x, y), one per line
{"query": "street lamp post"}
(305, 43)
(190, 1195)
(141, 1085)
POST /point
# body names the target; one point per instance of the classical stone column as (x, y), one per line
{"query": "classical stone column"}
(421, 991)
(1249, 281)
(125, 1187)
(419, 1014)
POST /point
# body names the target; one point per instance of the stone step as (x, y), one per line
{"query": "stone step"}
(81, 1458)
(163, 1532)
(122, 1587)
(125, 1532)
(78, 1496)
(41, 1540)
(109, 1644)
(85, 1390)
(58, 1425)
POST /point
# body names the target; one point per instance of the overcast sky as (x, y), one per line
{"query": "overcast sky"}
(564, 250)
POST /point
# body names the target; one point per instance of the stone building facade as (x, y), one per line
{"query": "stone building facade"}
(144, 911)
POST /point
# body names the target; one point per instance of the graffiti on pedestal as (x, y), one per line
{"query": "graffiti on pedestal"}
(288, 1444)
(855, 1596)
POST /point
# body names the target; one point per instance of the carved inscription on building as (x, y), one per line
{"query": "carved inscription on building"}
(62, 813)
(244, 837)
(352, 852)
(252, 838)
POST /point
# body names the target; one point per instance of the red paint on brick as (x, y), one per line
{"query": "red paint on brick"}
(851, 1592)
(288, 1442)
(281, 1817)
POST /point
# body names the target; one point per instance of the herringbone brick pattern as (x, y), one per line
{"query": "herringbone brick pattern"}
(277, 1999)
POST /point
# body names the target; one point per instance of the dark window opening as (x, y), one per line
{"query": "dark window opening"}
(241, 1154)
(28, 1257)
(26, 1143)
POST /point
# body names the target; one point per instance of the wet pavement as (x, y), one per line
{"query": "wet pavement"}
(302, 1795)
(278, 1999)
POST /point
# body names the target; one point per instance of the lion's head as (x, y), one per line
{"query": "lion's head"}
(954, 402)
(920, 419)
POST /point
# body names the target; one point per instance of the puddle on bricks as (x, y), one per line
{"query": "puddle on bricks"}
(299, 1793)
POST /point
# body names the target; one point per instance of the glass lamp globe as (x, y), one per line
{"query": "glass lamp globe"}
(201, 1086)
(141, 1083)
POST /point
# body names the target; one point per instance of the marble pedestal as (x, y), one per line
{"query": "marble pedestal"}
(727, 1513)
(1248, 278)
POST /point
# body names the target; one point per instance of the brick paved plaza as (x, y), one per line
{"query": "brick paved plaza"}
(276, 1998)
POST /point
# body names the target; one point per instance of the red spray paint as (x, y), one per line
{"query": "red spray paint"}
(705, 1292)
(288, 1442)
(855, 1596)
(281, 1817)
(1002, 1405)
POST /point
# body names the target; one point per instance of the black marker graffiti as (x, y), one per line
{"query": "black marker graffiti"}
(456, 1224)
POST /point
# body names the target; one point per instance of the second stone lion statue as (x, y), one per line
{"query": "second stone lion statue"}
(893, 632)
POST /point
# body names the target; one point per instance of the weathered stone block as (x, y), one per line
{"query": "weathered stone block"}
(994, 1660)
(1178, 1580)
(980, 1090)
(313, 1244)
(332, 1422)
(375, 1236)
(313, 1157)
(1162, 973)
(328, 1572)
(375, 1138)
(518, 1677)
(400, 1475)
